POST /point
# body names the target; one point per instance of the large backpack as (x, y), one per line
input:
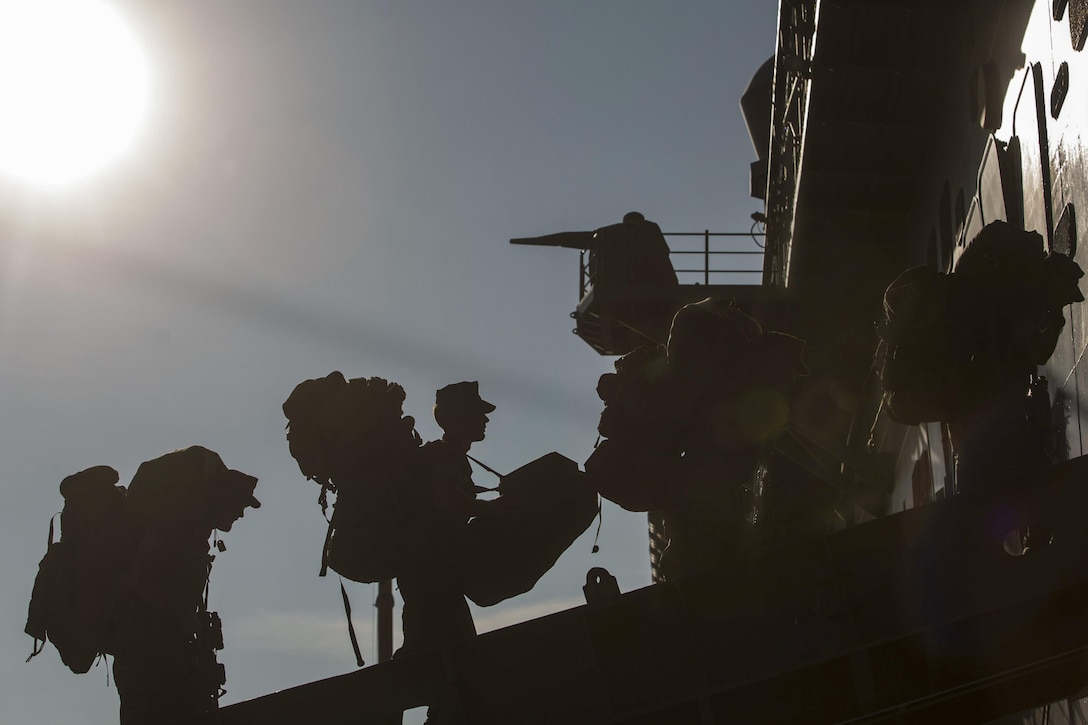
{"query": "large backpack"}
(74, 603)
(633, 467)
(353, 439)
(505, 553)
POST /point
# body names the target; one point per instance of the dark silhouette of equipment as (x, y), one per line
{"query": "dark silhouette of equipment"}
(74, 603)
(629, 288)
(507, 552)
(353, 439)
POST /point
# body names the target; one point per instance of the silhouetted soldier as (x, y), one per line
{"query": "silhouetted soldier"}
(165, 665)
(648, 252)
(686, 425)
(435, 610)
(1010, 297)
(964, 349)
(632, 255)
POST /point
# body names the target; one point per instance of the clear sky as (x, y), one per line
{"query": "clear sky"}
(330, 185)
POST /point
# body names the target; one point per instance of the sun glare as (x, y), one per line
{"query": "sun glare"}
(73, 89)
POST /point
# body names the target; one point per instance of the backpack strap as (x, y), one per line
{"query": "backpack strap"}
(49, 542)
(489, 469)
(325, 551)
(600, 520)
(351, 627)
(323, 499)
(39, 644)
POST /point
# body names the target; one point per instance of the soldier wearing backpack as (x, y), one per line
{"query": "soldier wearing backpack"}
(1013, 294)
(410, 512)
(164, 660)
(432, 583)
(129, 576)
(964, 349)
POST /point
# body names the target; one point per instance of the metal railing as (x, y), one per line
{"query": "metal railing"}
(706, 252)
(754, 275)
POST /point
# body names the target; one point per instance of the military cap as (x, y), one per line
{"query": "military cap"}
(240, 485)
(464, 395)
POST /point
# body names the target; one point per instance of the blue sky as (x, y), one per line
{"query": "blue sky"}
(331, 186)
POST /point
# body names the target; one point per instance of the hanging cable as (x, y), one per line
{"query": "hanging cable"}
(752, 231)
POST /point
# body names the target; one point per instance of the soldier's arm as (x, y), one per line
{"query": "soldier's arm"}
(450, 494)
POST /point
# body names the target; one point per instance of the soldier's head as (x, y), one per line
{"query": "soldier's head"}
(461, 413)
(232, 494)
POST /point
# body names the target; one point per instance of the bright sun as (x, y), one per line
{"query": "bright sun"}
(73, 89)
